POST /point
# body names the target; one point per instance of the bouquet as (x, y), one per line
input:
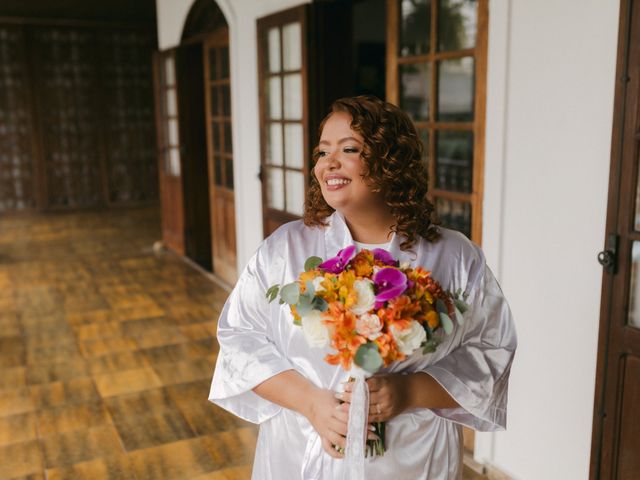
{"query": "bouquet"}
(371, 311)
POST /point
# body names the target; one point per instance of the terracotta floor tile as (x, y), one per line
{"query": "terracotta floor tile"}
(18, 428)
(233, 447)
(12, 352)
(140, 403)
(13, 377)
(233, 473)
(128, 381)
(151, 428)
(112, 468)
(62, 352)
(20, 459)
(9, 325)
(173, 461)
(80, 445)
(98, 330)
(13, 402)
(206, 418)
(72, 417)
(78, 390)
(54, 372)
(158, 337)
(191, 392)
(182, 372)
(89, 317)
(102, 346)
(114, 362)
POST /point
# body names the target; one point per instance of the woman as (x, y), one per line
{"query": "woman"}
(369, 188)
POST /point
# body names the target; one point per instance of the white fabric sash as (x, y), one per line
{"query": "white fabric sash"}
(357, 427)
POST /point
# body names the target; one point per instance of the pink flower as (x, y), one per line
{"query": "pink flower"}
(369, 325)
(338, 263)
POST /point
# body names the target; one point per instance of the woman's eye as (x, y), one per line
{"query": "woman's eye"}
(321, 154)
(350, 150)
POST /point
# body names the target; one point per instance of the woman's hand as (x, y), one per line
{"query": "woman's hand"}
(389, 396)
(329, 418)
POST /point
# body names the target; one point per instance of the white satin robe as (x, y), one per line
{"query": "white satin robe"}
(259, 340)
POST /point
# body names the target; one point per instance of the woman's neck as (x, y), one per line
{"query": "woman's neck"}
(371, 227)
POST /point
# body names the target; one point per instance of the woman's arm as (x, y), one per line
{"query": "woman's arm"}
(328, 417)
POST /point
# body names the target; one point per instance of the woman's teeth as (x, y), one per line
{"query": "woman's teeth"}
(338, 181)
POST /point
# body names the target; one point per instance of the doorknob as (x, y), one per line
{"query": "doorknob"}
(608, 258)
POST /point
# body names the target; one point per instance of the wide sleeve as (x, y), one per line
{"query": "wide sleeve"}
(247, 355)
(476, 372)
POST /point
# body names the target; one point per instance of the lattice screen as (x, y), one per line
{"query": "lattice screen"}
(125, 71)
(86, 136)
(16, 153)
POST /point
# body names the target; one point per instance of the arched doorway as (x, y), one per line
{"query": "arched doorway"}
(198, 193)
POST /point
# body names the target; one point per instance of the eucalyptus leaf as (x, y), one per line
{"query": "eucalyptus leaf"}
(446, 322)
(368, 357)
(312, 263)
(290, 293)
(459, 316)
(320, 303)
(461, 305)
(272, 293)
(430, 346)
(304, 306)
(310, 288)
(440, 306)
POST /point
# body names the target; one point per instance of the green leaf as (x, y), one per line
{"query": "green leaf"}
(310, 288)
(320, 303)
(440, 306)
(312, 263)
(368, 357)
(446, 322)
(303, 307)
(459, 316)
(272, 293)
(430, 346)
(290, 293)
(461, 305)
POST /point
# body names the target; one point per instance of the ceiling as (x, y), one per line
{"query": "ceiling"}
(102, 10)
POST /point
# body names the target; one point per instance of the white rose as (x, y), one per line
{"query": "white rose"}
(316, 334)
(369, 325)
(410, 338)
(316, 284)
(366, 296)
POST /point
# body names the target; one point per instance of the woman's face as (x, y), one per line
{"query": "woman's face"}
(339, 167)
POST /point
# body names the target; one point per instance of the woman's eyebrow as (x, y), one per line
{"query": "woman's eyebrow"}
(341, 141)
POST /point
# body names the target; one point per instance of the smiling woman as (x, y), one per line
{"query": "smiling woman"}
(369, 186)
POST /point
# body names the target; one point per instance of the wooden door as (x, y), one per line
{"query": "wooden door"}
(220, 154)
(169, 156)
(615, 452)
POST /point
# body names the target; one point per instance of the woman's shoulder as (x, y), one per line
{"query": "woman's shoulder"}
(457, 243)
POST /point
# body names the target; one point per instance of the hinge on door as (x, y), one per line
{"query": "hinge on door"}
(608, 258)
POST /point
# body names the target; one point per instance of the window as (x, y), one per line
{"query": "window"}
(436, 73)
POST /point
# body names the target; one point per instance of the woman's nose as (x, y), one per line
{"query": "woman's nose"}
(332, 160)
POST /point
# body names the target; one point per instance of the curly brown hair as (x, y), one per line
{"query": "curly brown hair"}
(393, 166)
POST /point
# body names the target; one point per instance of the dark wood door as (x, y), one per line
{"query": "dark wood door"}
(615, 450)
(193, 142)
(169, 155)
(220, 154)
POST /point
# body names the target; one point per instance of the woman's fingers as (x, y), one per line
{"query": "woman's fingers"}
(328, 447)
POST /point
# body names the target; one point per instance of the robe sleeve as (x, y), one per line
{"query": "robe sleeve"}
(476, 373)
(247, 356)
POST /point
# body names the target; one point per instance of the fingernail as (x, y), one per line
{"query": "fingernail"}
(372, 436)
(339, 395)
(372, 428)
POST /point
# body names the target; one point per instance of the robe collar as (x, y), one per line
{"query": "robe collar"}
(338, 236)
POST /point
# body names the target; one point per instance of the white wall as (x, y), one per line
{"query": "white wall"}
(549, 119)
(241, 16)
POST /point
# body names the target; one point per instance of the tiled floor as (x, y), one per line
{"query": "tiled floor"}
(106, 354)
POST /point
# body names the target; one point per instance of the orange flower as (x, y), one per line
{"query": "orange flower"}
(363, 264)
(433, 319)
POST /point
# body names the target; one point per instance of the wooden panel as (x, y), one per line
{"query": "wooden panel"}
(128, 123)
(17, 159)
(628, 458)
(220, 154)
